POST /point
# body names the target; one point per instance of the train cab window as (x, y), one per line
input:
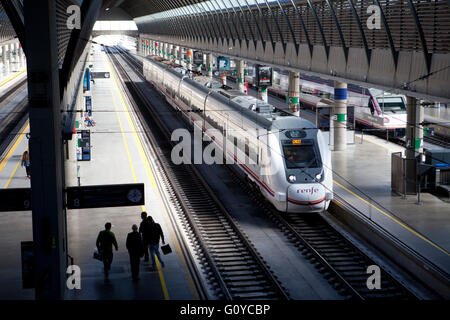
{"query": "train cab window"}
(301, 156)
(371, 107)
(392, 104)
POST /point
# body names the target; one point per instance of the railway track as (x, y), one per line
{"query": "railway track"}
(230, 262)
(13, 89)
(438, 140)
(342, 263)
(14, 117)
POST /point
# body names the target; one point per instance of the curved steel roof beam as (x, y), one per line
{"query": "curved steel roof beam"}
(319, 25)
(207, 18)
(222, 20)
(186, 21)
(248, 21)
(277, 26)
(259, 29)
(294, 40)
(234, 25)
(167, 19)
(361, 30)
(426, 54)
(201, 16)
(302, 23)
(209, 12)
(338, 26)
(174, 21)
(394, 53)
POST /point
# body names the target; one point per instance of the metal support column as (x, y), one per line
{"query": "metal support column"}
(414, 139)
(293, 92)
(209, 65)
(240, 68)
(340, 116)
(46, 150)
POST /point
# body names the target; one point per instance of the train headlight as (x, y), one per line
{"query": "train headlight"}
(292, 178)
(318, 176)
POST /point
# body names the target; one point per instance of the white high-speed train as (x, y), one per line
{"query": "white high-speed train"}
(285, 157)
(373, 108)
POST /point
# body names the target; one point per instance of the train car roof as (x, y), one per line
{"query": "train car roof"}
(277, 122)
(292, 122)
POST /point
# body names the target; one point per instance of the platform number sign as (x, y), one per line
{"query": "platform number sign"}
(101, 196)
(15, 199)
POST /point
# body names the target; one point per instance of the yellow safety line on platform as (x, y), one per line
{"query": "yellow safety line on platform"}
(11, 78)
(394, 219)
(144, 158)
(14, 171)
(8, 156)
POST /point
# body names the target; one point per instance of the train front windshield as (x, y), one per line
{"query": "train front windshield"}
(300, 156)
(392, 104)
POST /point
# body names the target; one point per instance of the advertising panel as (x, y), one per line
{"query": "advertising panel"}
(263, 76)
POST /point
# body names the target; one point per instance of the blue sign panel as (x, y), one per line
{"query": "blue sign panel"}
(88, 103)
(223, 63)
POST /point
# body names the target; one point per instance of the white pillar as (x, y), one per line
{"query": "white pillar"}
(294, 92)
(262, 94)
(209, 65)
(166, 49)
(240, 77)
(10, 55)
(4, 51)
(189, 59)
(16, 51)
(177, 54)
(340, 116)
(172, 53)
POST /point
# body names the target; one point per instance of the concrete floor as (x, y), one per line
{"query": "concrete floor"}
(117, 157)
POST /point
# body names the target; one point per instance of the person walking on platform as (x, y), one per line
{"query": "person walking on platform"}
(26, 163)
(155, 234)
(135, 249)
(143, 229)
(105, 241)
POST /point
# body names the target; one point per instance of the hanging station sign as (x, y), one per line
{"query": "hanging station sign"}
(223, 63)
(264, 76)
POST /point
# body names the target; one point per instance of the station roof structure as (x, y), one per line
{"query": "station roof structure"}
(402, 44)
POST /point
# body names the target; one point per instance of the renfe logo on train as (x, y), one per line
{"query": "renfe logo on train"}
(311, 190)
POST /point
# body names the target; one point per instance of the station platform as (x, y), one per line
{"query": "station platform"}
(118, 156)
(11, 71)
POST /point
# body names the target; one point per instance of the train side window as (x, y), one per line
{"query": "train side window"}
(371, 107)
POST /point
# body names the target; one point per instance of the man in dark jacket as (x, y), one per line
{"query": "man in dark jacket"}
(135, 249)
(105, 241)
(155, 233)
(143, 229)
